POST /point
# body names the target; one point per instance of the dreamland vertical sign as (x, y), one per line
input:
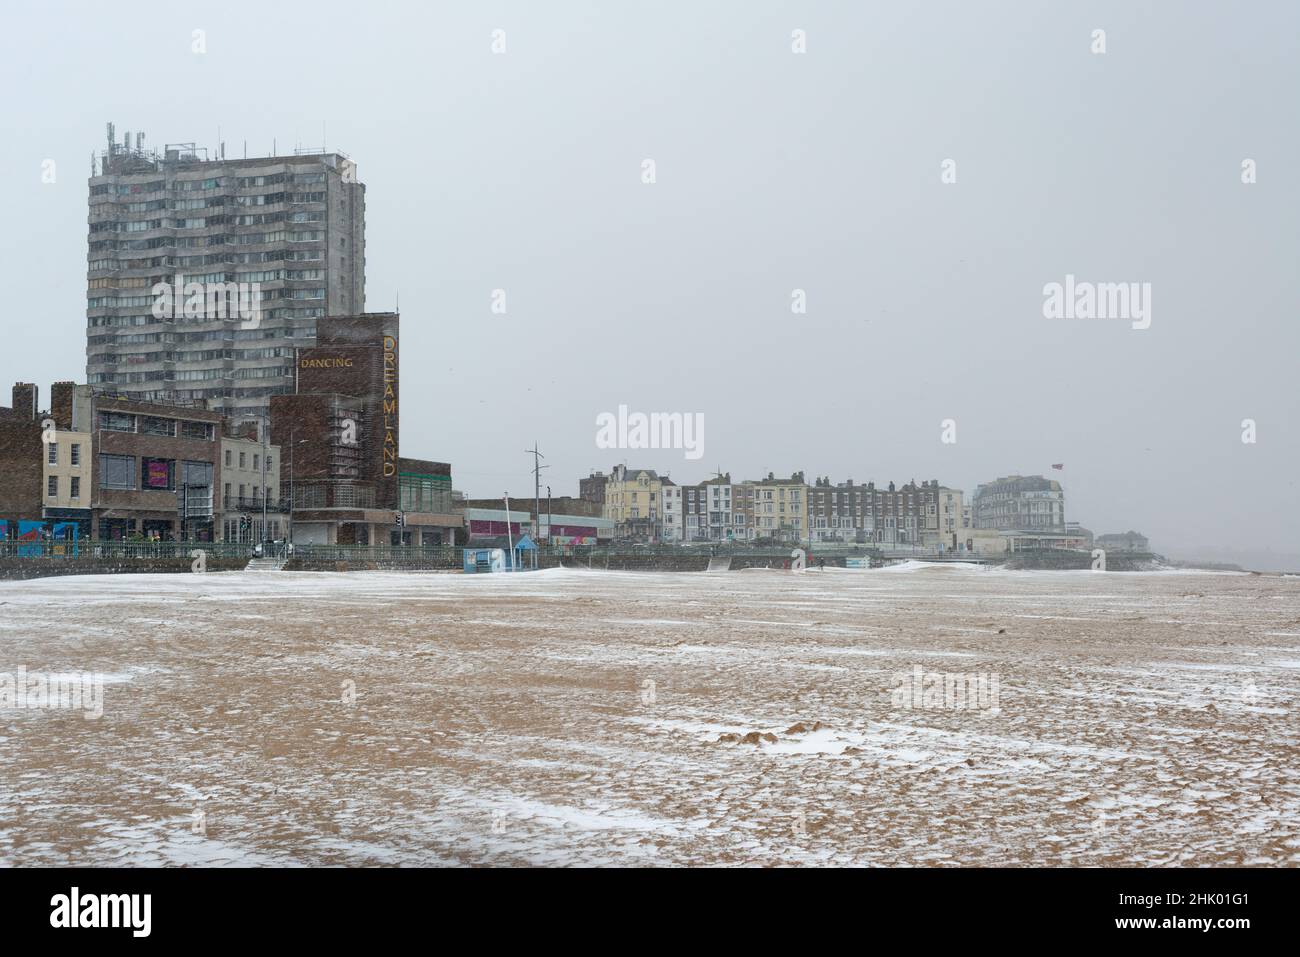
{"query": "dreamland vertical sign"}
(390, 407)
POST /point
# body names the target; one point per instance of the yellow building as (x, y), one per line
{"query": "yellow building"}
(634, 503)
(779, 507)
(67, 487)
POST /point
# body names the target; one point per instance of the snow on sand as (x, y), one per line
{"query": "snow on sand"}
(576, 717)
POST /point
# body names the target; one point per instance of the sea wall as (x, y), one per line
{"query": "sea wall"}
(19, 569)
(1056, 559)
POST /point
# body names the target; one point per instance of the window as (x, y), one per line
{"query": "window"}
(76, 487)
(256, 461)
(117, 471)
(53, 487)
(152, 425)
(157, 474)
(228, 453)
(243, 463)
(76, 455)
(53, 455)
(196, 473)
(197, 430)
(116, 422)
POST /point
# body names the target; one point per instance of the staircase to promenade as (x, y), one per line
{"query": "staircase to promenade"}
(265, 564)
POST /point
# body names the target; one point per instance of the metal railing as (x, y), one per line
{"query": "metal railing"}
(441, 556)
(84, 549)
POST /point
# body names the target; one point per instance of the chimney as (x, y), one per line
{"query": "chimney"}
(25, 397)
(61, 394)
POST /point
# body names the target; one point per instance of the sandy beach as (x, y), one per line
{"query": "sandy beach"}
(600, 718)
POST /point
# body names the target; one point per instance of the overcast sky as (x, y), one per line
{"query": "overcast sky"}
(774, 171)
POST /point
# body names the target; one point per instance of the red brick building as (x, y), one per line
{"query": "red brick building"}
(856, 513)
(338, 434)
(20, 457)
(154, 467)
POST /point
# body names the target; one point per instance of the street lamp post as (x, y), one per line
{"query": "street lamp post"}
(294, 442)
(265, 425)
(510, 541)
(292, 450)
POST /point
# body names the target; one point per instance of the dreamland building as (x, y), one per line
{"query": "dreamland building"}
(349, 483)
